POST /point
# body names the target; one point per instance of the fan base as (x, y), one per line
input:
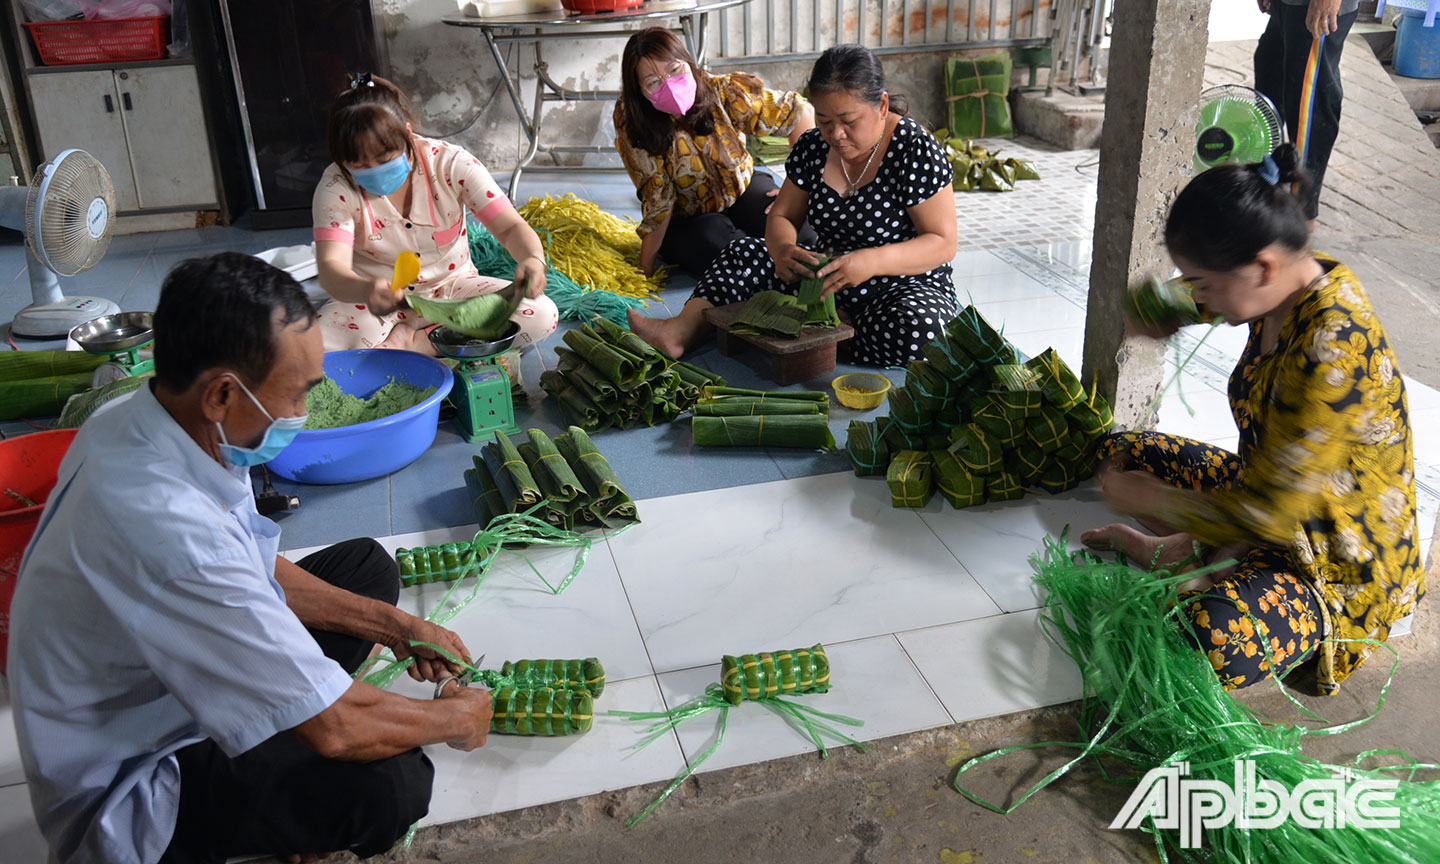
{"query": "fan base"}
(56, 320)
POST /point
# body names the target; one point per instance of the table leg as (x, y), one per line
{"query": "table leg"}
(532, 131)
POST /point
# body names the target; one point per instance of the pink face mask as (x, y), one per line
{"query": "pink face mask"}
(676, 95)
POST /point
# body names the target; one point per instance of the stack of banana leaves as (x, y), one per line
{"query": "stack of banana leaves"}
(768, 149)
(734, 417)
(771, 313)
(567, 476)
(978, 168)
(979, 425)
(607, 376)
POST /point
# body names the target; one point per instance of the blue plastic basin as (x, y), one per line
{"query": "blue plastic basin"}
(353, 453)
(1417, 47)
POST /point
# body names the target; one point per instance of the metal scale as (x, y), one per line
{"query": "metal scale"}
(482, 389)
(127, 337)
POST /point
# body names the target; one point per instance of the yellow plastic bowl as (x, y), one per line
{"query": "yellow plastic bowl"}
(861, 390)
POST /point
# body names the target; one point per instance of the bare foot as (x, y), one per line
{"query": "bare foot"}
(663, 333)
(1142, 549)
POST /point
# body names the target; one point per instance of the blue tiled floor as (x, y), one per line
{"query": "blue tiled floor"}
(429, 493)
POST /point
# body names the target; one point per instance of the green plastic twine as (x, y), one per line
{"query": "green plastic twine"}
(1152, 409)
(803, 717)
(1163, 704)
(506, 529)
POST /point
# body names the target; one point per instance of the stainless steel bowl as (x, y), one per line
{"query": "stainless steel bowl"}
(451, 343)
(111, 333)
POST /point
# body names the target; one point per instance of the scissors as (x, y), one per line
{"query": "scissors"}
(460, 680)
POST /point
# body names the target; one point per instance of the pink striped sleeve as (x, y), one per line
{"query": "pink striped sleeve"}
(497, 206)
(334, 235)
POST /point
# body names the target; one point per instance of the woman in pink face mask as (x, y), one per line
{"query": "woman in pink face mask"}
(681, 133)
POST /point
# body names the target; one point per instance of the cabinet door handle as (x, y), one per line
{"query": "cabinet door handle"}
(109, 105)
(125, 98)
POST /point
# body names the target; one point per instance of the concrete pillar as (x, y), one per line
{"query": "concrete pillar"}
(1157, 59)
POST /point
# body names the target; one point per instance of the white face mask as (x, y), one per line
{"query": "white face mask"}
(278, 436)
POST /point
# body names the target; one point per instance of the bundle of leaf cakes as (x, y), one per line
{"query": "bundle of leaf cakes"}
(975, 423)
(607, 376)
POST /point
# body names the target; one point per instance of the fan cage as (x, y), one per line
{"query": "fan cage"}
(71, 198)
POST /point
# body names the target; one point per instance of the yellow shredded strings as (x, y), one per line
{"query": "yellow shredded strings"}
(592, 247)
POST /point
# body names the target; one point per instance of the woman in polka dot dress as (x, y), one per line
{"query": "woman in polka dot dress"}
(876, 188)
(390, 190)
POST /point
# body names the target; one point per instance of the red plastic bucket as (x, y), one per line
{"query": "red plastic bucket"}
(27, 466)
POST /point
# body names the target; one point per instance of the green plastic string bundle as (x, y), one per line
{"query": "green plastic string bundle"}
(509, 529)
(1152, 700)
(575, 303)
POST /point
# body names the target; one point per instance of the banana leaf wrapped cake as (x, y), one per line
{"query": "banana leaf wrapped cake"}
(978, 423)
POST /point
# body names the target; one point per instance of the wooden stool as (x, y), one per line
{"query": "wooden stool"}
(809, 355)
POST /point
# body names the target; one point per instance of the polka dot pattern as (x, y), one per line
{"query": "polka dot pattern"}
(893, 316)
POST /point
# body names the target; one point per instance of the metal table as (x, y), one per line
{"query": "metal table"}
(532, 28)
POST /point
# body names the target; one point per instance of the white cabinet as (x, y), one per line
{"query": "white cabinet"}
(144, 123)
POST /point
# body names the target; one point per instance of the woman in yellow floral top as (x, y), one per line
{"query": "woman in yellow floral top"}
(681, 133)
(1318, 505)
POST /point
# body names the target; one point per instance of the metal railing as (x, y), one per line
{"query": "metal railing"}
(801, 29)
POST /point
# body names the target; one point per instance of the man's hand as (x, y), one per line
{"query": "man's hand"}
(476, 702)
(1323, 17)
(1264, 6)
(847, 271)
(428, 665)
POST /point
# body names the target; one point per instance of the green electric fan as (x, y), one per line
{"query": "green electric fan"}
(1237, 124)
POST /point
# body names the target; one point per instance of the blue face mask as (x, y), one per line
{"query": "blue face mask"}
(383, 179)
(278, 436)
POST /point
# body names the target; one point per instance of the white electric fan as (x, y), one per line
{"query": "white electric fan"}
(66, 216)
(1237, 124)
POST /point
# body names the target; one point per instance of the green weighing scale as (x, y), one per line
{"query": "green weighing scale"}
(123, 336)
(481, 394)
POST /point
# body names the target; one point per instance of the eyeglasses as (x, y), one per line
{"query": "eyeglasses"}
(650, 83)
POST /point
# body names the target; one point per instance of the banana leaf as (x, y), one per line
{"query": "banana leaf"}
(897, 437)
(1024, 169)
(505, 484)
(1048, 429)
(483, 317)
(768, 149)
(867, 451)
(785, 430)
(578, 407)
(1058, 478)
(1073, 446)
(998, 421)
(948, 358)
(567, 361)
(977, 91)
(1018, 404)
(752, 407)
(513, 465)
(720, 391)
(969, 330)
(608, 499)
(1003, 486)
(595, 388)
(1014, 378)
(811, 287)
(1093, 415)
(957, 483)
(910, 478)
(770, 313)
(18, 365)
(619, 336)
(40, 397)
(930, 390)
(694, 375)
(619, 367)
(1059, 384)
(978, 451)
(823, 314)
(1028, 461)
(552, 473)
(904, 411)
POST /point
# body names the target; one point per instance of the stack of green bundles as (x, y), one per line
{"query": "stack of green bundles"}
(608, 376)
(37, 383)
(977, 91)
(568, 476)
(734, 417)
(975, 167)
(978, 425)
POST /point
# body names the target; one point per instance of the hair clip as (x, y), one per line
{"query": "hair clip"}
(1269, 170)
(363, 79)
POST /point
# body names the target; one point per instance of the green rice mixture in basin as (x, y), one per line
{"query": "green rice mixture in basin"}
(329, 407)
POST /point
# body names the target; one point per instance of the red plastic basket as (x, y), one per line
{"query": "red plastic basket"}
(590, 7)
(67, 43)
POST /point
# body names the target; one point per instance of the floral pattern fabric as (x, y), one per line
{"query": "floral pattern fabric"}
(708, 173)
(1326, 468)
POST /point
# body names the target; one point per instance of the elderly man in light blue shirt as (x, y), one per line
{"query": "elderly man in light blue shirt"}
(180, 692)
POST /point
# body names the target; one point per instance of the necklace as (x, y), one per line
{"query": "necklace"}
(850, 190)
